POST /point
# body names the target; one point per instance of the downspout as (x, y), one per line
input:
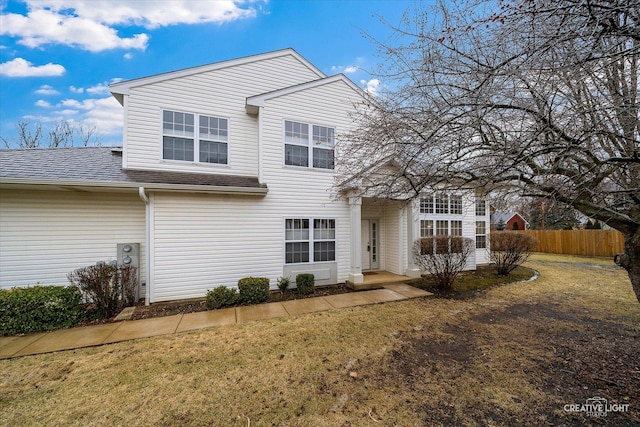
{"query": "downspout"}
(145, 199)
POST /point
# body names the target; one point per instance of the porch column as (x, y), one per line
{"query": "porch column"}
(413, 233)
(355, 217)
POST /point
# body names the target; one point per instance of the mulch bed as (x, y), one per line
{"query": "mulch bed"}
(170, 308)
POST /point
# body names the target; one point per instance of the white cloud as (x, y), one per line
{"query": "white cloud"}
(150, 14)
(344, 69)
(42, 26)
(128, 55)
(46, 90)
(76, 89)
(103, 113)
(42, 103)
(20, 67)
(371, 86)
(89, 24)
(99, 88)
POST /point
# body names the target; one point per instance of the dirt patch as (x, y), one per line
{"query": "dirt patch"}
(528, 360)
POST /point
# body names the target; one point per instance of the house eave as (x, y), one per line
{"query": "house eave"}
(89, 186)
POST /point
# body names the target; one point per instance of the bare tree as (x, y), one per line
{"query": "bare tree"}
(29, 135)
(61, 134)
(538, 96)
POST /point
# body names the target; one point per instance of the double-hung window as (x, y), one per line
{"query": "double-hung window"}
(183, 140)
(310, 240)
(481, 207)
(177, 136)
(297, 142)
(481, 234)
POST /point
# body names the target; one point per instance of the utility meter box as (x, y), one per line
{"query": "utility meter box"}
(129, 254)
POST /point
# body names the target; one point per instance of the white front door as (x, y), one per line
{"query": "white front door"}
(370, 245)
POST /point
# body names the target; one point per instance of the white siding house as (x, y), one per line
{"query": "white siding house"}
(226, 171)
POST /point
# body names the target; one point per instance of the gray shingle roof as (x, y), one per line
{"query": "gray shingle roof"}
(102, 166)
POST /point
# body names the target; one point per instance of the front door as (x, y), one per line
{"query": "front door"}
(370, 243)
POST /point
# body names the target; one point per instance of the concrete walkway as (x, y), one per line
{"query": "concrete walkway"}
(67, 339)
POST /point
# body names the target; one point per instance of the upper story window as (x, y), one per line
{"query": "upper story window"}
(441, 203)
(297, 142)
(182, 140)
(426, 204)
(455, 204)
(481, 208)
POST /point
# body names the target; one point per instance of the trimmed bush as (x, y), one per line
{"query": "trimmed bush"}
(509, 249)
(39, 308)
(283, 283)
(253, 290)
(108, 287)
(221, 297)
(306, 283)
(444, 257)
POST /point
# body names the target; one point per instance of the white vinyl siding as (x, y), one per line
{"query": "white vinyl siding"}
(48, 234)
(203, 241)
(218, 93)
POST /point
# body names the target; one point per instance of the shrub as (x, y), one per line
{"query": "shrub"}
(253, 290)
(221, 297)
(305, 282)
(443, 257)
(39, 308)
(108, 287)
(509, 249)
(283, 283)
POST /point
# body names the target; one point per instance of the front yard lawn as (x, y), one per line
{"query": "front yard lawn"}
(515, 355)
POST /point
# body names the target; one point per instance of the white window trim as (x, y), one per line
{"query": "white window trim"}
(311, 240)
(485, 235)
(484, 214)
(309, 146)
(434, 212)
(434, 226)
(196, 140)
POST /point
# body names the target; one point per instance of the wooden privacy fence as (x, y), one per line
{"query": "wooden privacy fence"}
(604, 243)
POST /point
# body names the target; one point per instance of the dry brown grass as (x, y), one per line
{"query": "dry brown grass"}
(497, 359)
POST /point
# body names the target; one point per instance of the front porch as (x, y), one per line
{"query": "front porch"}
(382, 234)
(376, 280)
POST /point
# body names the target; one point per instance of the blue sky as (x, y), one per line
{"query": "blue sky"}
(58, 56)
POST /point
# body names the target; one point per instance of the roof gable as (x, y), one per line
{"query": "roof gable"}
(506, 217)
(255, 102)
(118, 90)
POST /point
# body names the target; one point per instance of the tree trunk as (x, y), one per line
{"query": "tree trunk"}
(630, 260)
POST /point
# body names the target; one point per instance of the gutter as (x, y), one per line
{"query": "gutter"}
(147, 231)
(187, 188)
